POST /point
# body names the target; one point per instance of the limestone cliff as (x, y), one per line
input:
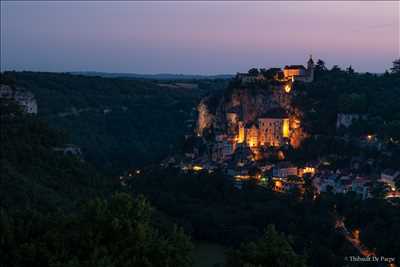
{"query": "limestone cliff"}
(247, 103)
(205, 118)
(24, 98)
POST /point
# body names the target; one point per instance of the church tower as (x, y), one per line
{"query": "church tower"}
(310, 69)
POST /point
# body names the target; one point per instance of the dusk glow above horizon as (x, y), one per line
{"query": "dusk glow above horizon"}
(196, 37)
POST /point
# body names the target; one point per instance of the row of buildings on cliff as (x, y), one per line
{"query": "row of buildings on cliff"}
(259, 121)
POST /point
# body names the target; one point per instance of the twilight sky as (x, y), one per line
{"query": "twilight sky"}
(196, 37)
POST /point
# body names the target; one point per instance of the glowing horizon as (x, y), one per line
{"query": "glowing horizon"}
(196, 37)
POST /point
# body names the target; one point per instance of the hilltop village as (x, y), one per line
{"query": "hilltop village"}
(248, 131)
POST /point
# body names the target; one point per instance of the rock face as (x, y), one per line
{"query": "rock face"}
(246, 103)
(23, 97)
(205, 118)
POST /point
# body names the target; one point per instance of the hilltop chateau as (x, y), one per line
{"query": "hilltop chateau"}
(299, 72)
(255, 113)
(290, 73)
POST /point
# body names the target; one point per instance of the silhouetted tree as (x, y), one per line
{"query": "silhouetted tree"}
(335, 68)
(253, 71)
(320, 66)
(350, 70)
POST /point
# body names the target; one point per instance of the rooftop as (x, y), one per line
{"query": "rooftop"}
(294, 67)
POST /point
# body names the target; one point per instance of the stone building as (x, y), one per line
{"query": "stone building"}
(24, 98)
(271, 129)
(252, 135)
(299, 72)
(345, 120)
(284, 169)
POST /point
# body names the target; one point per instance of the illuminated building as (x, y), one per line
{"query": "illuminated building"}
(285, 127)
(278, 186)
(299, 72)
(307, 170)
(274, 128)
(284, 169)
(241, 132)
(271, 129)
(294, 70)
(252, 135)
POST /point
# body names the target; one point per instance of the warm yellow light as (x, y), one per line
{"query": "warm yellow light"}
(285, 128)
(197, 168)
(241, 134)
(356, 234)
(278, 184)
(309, 170)
(242, 177)
(288, 88)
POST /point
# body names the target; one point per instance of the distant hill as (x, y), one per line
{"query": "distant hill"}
(160, 76)
(118, 123)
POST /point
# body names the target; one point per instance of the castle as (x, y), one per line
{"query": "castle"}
(290, 73)
(299, 72)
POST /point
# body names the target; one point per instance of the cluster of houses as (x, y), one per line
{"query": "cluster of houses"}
(270, 130)
(344, 182)
(242, 168)
(285, 176)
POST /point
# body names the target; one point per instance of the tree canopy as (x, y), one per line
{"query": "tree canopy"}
(271, 250)
(118, 232)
